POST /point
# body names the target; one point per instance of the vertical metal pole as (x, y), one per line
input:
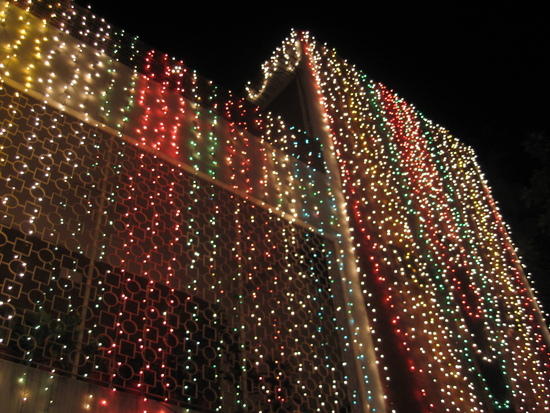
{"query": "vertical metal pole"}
(93, 255)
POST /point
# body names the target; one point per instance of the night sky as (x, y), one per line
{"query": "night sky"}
(479, 71)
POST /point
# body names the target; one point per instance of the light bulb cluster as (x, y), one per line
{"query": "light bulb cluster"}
(443, 272)
(207, 212)
(184, 238)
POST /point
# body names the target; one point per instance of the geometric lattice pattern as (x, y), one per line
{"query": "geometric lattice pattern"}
(123, 270)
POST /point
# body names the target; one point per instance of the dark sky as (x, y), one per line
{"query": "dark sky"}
(479, 71)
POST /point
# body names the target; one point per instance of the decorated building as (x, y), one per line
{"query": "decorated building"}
(312, 245)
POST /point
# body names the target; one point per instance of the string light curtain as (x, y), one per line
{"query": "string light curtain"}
(165, 238)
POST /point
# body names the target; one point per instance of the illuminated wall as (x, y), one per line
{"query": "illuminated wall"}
(456, 325)
(168, 246)
(160, 243)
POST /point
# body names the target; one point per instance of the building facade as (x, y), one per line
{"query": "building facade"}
(315, 245)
